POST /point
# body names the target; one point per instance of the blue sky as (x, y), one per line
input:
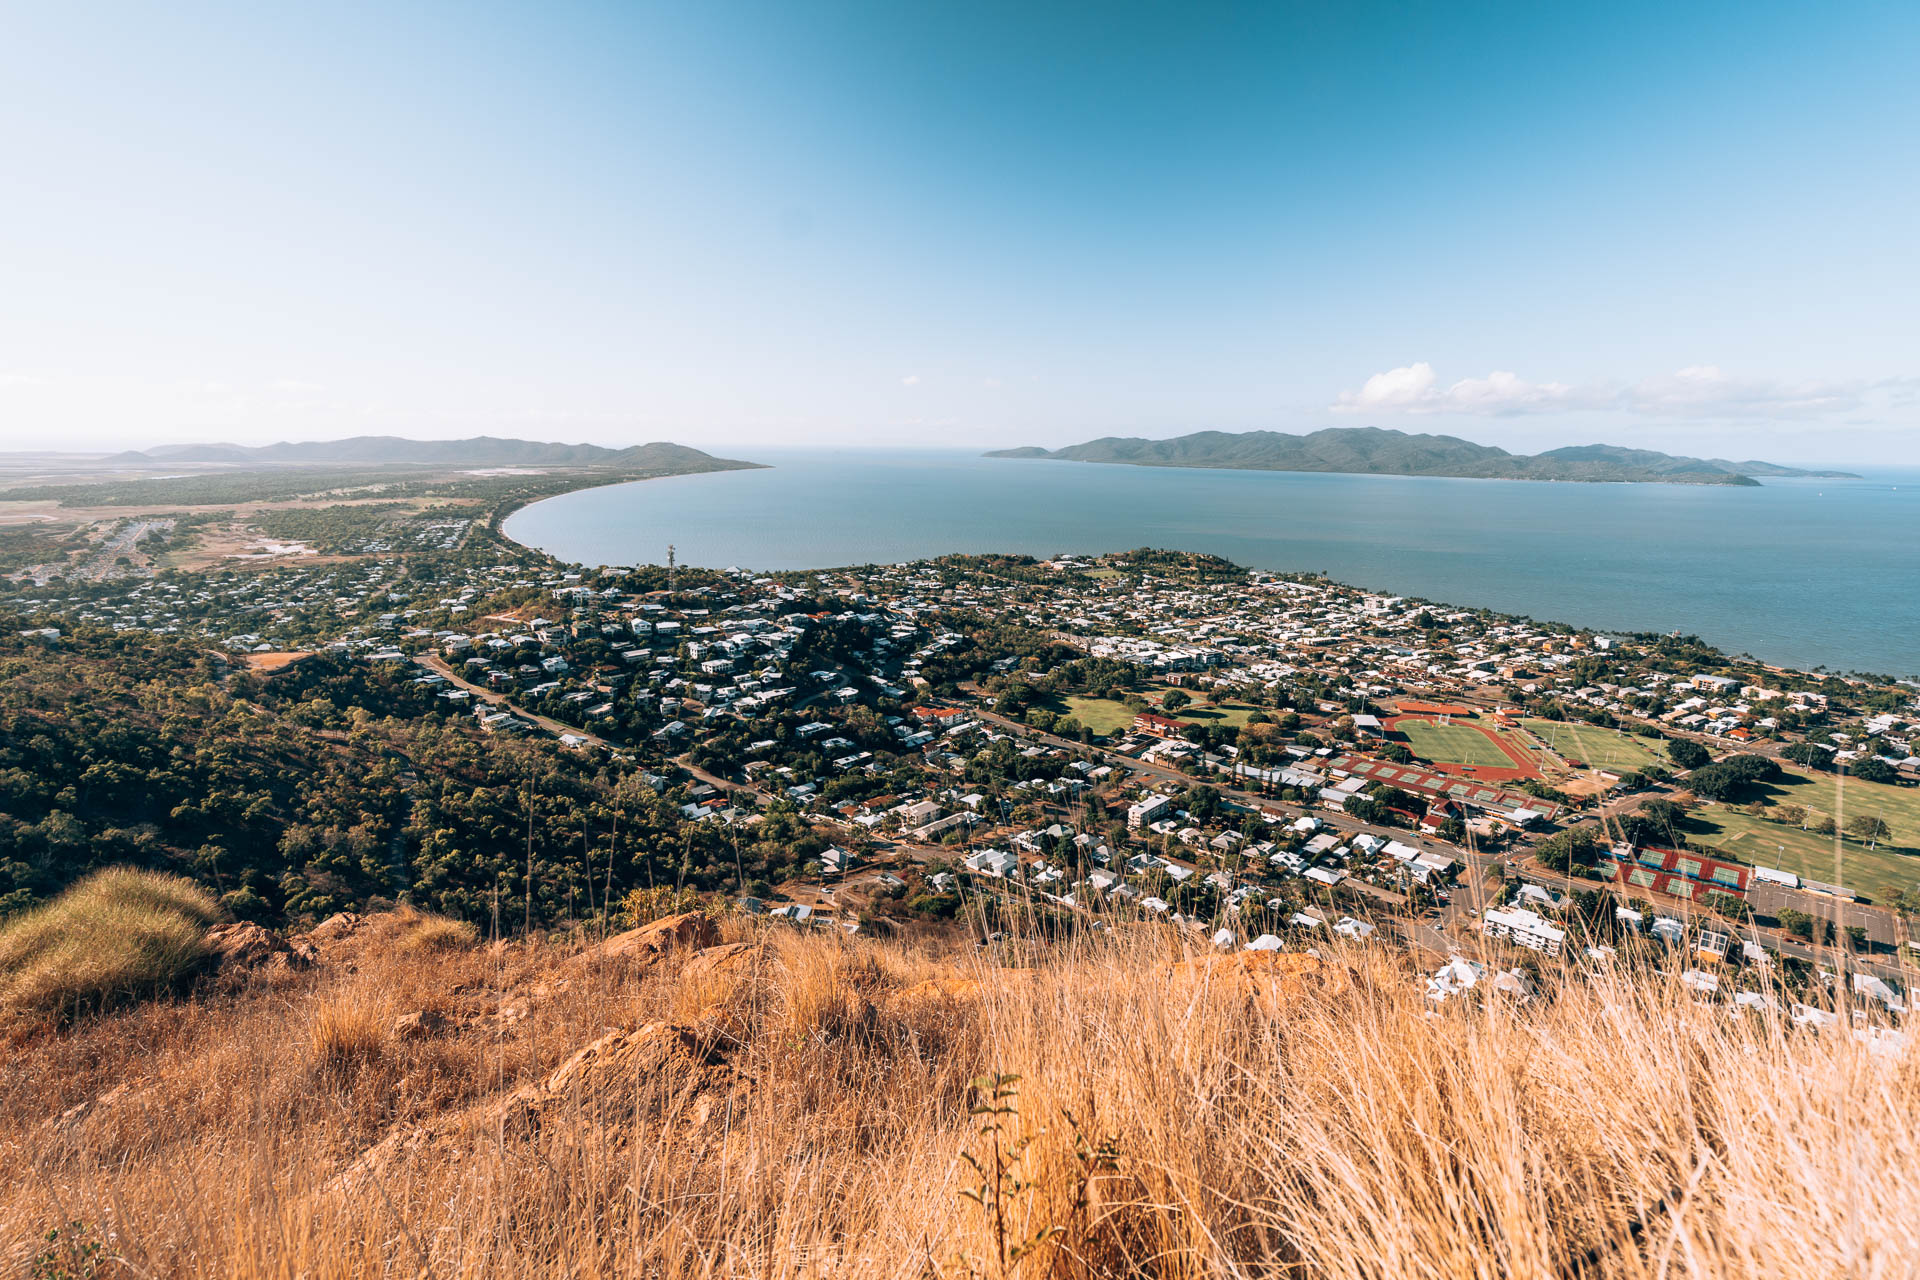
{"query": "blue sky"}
(1688, 227)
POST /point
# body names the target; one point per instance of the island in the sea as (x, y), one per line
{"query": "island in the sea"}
(479, 451)
(1381, 451)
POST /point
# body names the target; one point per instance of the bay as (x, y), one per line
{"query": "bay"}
(1803, 573)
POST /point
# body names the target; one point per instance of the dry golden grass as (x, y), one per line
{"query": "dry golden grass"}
(345, 1034)
(117, 935)
(426, 933)
(817, 1116)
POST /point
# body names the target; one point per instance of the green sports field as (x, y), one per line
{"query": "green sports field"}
(1228, 713)
(1452, 744)
(1879, 872)
(1598, 748)
(1105, 716)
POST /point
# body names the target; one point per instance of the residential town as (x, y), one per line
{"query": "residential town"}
(1264, 758)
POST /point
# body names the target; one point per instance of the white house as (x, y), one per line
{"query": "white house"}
(1454, 978)
(1525, 929)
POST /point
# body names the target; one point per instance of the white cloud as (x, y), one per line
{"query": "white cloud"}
(1698, 391)
(1415, 389)
(1404, 388)
(911, 380)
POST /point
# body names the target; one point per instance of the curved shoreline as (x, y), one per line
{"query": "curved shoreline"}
(1658, 559)
(508, 509)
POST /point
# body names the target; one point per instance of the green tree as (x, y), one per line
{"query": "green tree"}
(1568, 850)
(1808, 756)
(1868, 827)
(1874, 769)
(1797, 923)
(1687, 753)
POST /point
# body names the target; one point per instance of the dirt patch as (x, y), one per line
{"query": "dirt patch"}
(269, 663)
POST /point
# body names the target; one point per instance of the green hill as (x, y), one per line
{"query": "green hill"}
(1381, 451)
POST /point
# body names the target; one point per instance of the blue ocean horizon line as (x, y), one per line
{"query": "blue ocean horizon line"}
(1787, 571)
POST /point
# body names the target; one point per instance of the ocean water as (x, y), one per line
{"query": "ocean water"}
(1804, 573)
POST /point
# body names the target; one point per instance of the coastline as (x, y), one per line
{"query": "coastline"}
(509, 507)
(1611, 622)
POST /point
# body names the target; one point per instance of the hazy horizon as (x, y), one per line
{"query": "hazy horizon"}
(769, 226)
(771, 449)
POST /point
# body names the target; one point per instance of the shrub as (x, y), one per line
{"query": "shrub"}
(437, 933)
(118, 935)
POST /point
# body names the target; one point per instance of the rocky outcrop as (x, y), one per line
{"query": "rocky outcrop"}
(669, 1063)
(656, 1075)
(243, 947)
(335, 928)
(648, 944)
(728, 959)
(958, 989)
(419, 1025)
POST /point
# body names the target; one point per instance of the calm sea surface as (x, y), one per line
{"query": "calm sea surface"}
(1800, 572)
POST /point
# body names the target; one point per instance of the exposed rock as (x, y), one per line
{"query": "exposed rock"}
(419, 1024)
(646, 945)
(955, 989)
(93, 1106)
(659, 1055)
(1271, 979)
(659, 1073)
(730, 957)
(248, 946)
(336, 927)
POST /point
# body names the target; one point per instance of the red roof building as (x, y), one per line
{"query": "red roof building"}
(1158, 726)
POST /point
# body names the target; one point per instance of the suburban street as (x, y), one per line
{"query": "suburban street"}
(433, 663)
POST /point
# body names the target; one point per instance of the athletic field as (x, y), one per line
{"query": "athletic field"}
(1105, 716)
(1453, 744)
(1892, 867)
(1597, 748)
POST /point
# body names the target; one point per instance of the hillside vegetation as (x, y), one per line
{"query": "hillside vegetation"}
(690, 1101)
(1380, 451)
(334, 786)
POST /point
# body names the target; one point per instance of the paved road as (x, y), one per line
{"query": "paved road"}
(494, 698)
(718, 782)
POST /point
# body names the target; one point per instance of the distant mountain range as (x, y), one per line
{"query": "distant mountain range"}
(480, 451)
(1379, 451)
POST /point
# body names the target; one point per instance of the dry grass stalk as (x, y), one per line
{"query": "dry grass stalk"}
(1163, 1122)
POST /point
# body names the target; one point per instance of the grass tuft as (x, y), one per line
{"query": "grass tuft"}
(118, 935)
(344, 1035)
(430, 933)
